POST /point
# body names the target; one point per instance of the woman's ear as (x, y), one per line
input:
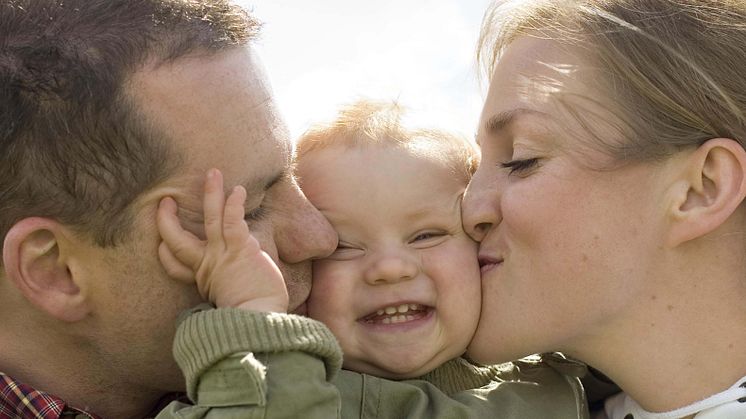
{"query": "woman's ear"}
(710, 188)
(34, 260)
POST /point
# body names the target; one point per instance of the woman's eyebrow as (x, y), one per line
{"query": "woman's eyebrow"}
(503, 120)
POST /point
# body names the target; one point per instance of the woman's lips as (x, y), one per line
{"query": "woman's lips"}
(487, 263)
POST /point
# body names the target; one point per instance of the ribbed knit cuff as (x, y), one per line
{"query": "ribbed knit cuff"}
(206, 337)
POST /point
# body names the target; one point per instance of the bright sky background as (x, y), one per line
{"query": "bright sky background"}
(324, 53)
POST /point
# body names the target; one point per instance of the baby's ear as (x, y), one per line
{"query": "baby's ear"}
(34, 259)
(709, 190)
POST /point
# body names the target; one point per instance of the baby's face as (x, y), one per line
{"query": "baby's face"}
(402, 290)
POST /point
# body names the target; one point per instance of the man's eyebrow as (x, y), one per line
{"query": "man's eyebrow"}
(502, 121)
(267, 182)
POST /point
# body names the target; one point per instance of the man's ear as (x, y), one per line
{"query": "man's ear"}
(34, 261)
(710, 189)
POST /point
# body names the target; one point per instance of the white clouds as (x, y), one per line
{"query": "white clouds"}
(323, 53)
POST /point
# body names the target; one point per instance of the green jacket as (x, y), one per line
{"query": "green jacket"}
(241, 364)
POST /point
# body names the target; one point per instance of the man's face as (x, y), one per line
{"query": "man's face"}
(216, 111)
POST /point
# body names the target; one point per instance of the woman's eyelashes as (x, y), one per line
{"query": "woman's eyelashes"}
(520, 166)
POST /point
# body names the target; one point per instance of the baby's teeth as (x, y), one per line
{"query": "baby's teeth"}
(397, 313)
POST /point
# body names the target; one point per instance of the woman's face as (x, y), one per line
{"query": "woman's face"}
(565, 248)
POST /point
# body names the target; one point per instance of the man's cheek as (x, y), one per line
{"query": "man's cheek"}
(298, 282)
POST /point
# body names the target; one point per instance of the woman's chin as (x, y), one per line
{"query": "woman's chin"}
(482, 354)
(486, 349)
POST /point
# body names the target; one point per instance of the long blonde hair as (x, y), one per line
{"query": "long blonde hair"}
(674, 68)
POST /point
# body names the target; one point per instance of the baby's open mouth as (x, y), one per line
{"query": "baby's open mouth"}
(397, 314)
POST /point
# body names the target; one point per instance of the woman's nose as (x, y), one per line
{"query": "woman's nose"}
(480, 207)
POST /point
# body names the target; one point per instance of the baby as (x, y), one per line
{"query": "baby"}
(402, 290)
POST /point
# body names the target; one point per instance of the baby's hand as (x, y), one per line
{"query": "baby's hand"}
(230, 268)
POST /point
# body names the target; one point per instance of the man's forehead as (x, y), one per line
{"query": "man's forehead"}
(269, 164)
(217, 112)
(200, 93)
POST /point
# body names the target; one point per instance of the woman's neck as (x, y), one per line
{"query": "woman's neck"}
(675, 347)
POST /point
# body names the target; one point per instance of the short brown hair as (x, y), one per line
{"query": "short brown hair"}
(73, 146)
(367, 122)
(673, 67)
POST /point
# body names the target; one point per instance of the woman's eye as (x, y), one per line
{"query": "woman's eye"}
(520, 166)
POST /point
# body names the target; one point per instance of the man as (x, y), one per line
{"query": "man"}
(108, 106)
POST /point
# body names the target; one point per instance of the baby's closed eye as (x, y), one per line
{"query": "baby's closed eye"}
(428, 238)
(346, 251)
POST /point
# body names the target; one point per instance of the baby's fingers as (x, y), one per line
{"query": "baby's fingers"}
(235, 230)
(174, 268)
(213, 206)
(183, 245)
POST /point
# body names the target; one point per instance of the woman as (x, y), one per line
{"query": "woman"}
(608, 202)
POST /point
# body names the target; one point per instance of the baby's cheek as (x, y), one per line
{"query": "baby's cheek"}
(316, 302)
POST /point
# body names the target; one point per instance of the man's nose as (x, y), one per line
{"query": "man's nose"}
(306, 233)
(391, 267)
(480, 207)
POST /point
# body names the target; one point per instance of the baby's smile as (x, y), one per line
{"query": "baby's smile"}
(397, 314)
